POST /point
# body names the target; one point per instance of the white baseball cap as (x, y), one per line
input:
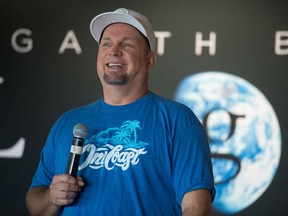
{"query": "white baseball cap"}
(122, 15)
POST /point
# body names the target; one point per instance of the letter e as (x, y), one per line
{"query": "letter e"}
(281, 43)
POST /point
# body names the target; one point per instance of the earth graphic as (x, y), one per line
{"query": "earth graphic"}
(244, 135)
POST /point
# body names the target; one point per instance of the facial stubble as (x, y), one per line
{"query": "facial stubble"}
(115, 79)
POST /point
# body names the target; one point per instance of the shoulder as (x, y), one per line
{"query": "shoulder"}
(171, 105)
(80, 111)
(76, 115)
(174, 110)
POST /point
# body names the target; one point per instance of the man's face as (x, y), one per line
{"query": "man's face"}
(123, 56)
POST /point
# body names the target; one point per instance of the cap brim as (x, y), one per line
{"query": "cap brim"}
(100, 22)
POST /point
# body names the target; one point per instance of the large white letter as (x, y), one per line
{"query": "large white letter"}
(70, 42)
(15, 151)
(200, 43)
(25, 41)
(161, 35)
(281, 43)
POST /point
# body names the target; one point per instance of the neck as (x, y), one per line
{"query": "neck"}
(117, 95)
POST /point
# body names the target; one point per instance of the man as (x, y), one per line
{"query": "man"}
(144, 154)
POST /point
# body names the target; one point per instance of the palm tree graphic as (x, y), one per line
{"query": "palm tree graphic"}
(126, 135)
(131, 127)
(122, 136)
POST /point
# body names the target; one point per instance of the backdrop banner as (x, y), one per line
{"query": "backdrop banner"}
(226, 60)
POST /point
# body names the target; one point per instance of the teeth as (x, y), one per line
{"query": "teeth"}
(114, 65)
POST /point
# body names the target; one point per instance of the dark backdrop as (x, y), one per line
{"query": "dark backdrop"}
(38, 86)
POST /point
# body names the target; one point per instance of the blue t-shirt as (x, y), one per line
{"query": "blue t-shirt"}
(138, 159)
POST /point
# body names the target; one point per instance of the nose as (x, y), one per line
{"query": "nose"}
(115, 50)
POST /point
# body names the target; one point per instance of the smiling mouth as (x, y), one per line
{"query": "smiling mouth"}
(115, 65)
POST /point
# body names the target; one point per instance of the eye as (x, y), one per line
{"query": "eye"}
(127, 45)
(106, 44)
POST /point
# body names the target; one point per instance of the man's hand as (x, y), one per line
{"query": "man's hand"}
(48, 200)
(64, 189)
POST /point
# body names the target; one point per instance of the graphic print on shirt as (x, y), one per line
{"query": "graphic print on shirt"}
(114, 147)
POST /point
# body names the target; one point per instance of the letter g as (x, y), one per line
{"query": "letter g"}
(27, 42)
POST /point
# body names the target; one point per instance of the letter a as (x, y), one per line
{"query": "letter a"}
(70, 42)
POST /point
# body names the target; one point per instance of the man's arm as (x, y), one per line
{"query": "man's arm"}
(48, 200)
(197, 203)
(38, 202)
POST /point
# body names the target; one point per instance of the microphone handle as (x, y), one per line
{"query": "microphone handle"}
(74, 157)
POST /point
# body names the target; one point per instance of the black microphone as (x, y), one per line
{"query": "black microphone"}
(80, 131)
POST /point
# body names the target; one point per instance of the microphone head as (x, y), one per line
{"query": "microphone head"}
(80, 130)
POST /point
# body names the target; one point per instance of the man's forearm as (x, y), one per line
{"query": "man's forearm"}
(197, 202)
(39, 204)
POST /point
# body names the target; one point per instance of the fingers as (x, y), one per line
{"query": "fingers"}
(80, 181)
(64, 178)
(64, 189)
(61, 198)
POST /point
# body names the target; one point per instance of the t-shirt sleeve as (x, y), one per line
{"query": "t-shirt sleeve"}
(192, 167)
(46, 166)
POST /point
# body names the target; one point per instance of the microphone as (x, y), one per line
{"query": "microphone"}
(80, 131)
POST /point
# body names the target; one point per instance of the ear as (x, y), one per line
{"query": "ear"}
(151, 59)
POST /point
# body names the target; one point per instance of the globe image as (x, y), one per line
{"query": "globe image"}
(244, 135)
